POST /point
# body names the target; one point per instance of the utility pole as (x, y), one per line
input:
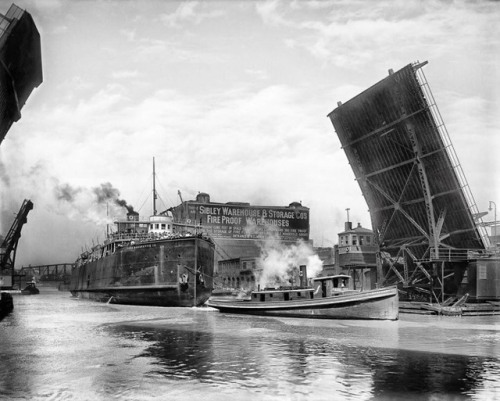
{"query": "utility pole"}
(154, 188)
(495, 221)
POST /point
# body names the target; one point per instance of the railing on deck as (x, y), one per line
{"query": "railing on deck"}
(456, 255)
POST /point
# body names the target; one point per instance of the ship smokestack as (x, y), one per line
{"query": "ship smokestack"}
(132, 216)
(303, 275)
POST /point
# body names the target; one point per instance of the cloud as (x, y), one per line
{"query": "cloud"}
(236, 145)
(272, 13)
(352, 34)
(43, 4)
(130, 34)
(467, 120)
(257, 74)
(232, 106)
(171, 52)
(125, 74)
(60, 30)
(189, 13)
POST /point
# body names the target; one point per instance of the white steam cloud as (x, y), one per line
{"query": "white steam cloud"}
(279, 263)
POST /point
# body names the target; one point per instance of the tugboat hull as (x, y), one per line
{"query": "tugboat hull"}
(379, 304)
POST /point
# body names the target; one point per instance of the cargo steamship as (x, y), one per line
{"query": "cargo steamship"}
(152, 261)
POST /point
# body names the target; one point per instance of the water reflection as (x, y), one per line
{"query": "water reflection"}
(52, 347)
(274, 359)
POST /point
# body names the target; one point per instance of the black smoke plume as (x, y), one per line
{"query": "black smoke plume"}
(66, 192)
(106, 193)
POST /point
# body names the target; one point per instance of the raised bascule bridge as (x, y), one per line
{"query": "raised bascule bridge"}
(431, 242)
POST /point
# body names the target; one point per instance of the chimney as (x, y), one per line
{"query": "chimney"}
(348, 226)
(303, 275)
(133, 216)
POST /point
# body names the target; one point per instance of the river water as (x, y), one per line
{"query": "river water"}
(55, 347)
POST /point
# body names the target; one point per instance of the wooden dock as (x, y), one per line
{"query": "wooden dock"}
(463, 309)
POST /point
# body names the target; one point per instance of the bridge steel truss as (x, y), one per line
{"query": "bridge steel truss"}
(52, 272)
(421, 207)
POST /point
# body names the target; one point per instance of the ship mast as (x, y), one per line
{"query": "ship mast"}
(154, 189)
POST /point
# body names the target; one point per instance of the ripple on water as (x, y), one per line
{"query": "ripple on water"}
(54, 347)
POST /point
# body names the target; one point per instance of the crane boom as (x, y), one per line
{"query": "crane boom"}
(9, 244)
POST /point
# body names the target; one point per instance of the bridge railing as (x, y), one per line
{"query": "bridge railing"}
(457, 255)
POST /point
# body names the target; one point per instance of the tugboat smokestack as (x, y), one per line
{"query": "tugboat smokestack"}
(303, 275)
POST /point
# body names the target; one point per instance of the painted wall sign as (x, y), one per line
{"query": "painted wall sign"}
(249, 222)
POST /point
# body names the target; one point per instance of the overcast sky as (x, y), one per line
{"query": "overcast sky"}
(231, 98)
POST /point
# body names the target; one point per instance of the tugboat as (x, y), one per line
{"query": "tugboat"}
(30, 289)
(153, 261)
(330, 297)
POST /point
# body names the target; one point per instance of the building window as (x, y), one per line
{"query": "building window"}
(163, 226)
(354, 240)
(361, 240)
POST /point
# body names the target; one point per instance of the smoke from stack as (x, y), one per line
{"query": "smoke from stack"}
(4, 178)
(95, 204)
(66, 192)
(106, 193)
(279, 262)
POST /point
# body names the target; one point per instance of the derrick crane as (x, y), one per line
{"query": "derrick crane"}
(183, 206)
(9, 244)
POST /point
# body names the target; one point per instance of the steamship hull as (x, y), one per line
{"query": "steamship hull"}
(161, 272)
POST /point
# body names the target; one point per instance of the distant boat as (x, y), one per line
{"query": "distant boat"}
(30, 289)
(330, 298)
